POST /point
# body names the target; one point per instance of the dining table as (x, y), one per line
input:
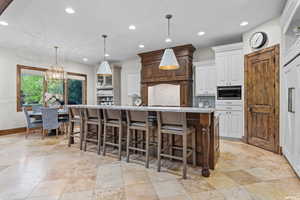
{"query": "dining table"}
(38, 114)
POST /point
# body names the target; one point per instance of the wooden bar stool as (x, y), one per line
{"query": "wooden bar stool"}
(113, 120)
(75, 118)
(175, 124)
(137, 121)
(92, 117)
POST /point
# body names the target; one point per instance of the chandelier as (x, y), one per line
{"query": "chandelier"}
(55, 72)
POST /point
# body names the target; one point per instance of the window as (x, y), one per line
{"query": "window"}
(76, 88)
(33, 89)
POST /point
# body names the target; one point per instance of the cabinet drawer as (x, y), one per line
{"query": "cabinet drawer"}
(229, 107)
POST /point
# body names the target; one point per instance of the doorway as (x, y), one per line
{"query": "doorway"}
(262, 98)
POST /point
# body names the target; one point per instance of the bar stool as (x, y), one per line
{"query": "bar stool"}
(92, 117)
(175, 124)
(137, 121)
(75, 118)
(113, 120)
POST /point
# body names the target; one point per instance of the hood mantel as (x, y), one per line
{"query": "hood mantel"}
(151, 74)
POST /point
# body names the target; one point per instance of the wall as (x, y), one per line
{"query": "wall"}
(130, 69)
(203, 54)
(9, 117)
(273, 30)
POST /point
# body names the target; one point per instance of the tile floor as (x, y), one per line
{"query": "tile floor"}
(36, 169)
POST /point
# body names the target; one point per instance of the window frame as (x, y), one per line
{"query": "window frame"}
(45, 87)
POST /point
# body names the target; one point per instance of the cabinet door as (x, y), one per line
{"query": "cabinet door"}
(223, 123)
(236, 68)
(221, 64)
(235, 124)
(201, 80)
(212, 80)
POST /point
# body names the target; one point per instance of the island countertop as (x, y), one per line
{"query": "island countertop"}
(148, 108)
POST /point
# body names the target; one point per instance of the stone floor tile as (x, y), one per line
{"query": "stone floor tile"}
(242, 177)
(110, 194)
(169, 189)
(82, 195)
(141, 192)
(209, 195)
(49, 188)
(220, 181)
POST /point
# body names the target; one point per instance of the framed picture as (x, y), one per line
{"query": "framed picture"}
(291, 100)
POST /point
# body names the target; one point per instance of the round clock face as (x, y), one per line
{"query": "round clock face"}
(258, 40)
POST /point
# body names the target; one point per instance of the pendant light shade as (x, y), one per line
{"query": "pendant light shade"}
(104, 68)
(169, 60)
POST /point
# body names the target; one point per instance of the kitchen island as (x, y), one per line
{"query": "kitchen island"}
(203, 120)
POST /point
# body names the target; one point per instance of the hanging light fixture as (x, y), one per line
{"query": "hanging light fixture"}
(104, 68)
(168, 61)
(55, 72)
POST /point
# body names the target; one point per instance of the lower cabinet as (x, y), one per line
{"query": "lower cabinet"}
(231, 123)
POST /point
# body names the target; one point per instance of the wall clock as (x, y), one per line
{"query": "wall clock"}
(258, 40)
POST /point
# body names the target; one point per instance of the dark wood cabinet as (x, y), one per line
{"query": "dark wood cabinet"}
(152, 75)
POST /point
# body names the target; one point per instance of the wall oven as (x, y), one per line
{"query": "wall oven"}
(229, 93)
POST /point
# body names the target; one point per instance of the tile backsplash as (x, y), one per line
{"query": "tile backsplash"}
(205, 101)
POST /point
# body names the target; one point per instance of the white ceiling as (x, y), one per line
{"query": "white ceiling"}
(38, 25)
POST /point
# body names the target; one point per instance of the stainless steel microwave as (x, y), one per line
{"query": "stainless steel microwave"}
(229, 93)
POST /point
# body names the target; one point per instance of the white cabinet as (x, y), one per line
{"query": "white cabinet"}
(223, 121)
(231, 122)
(229, 64)
(236, 68)
(205, 79)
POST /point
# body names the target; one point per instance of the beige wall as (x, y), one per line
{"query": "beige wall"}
(9, 117)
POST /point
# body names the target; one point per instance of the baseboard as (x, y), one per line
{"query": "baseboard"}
(13, 131)
(231, 139)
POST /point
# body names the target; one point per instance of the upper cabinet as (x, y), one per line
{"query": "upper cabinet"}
(205, 79)
(229, 64)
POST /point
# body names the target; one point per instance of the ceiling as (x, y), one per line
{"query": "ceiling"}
(38, 25)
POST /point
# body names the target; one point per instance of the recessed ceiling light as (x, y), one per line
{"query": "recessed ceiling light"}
(132, 27)
(168, 40)
(106, 55)
(3, 23)
(85, 59)
(70, 10)
(141, 46)
(244, 23)
(201, 33)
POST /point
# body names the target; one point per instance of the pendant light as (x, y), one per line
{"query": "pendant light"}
(169, 60)
(55, 72)
(104, 68)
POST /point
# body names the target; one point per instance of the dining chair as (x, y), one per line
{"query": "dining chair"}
(50, 120)
(75, 118)
(31, 124)
(36, 108)
(138, 123)
(175, 124)
(93, 125)
(112, 120)
(64, 120)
